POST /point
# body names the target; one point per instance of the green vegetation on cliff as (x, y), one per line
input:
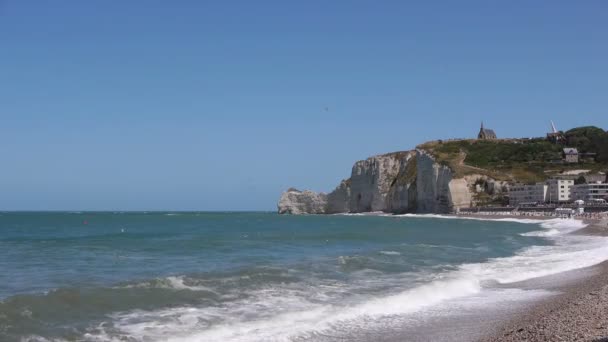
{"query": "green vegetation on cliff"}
(589, 139)
(524, 160)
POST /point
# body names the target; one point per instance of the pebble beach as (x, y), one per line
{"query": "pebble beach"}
(579, 312)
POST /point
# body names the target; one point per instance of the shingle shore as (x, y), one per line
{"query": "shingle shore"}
(580, 313)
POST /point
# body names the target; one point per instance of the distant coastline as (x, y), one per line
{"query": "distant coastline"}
(564, 172)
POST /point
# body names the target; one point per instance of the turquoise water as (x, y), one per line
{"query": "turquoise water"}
(239, 276)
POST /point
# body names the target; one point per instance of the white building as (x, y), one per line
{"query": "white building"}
(559, 190)
(590, 192)
(527, 193)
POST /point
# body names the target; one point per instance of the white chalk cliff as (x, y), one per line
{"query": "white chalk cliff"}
(400, 182)
(297, 202)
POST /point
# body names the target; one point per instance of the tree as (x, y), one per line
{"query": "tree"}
(589, 139)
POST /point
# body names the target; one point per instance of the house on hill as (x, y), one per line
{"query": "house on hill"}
(486, 133)
(570, 155)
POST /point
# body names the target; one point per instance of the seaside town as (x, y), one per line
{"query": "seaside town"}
(577, 192)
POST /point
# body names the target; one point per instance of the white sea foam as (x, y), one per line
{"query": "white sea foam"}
(564, 225)
(172, 282)
(293, 317)
(178, 284)
(489, 218)
(369, 213)
(37, 338)
(542, 233)
(280, 315)
(283, 313)
(569, 252)
(389, 252)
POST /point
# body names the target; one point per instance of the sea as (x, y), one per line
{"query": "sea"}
(256, 276)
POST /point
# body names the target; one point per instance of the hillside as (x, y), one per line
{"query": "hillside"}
(524, 160)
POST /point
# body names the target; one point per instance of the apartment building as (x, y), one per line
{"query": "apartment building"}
(590, 192)
(527, 193)
(559, 190)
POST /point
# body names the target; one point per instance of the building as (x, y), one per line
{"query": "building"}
(527, 193)
(599, 177)
(486, 133)
(559, 190)
(555, 136)
(570, 155)
(590, 192)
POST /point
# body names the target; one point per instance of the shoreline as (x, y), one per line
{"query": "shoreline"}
(577, 309)
(579, 312)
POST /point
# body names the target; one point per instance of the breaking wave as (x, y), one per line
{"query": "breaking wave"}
(389, 253)
(278, 305)
(284, 313)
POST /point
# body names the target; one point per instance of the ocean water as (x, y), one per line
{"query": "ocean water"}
(222, 276)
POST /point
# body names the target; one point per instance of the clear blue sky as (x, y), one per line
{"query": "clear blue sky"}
(150, 105)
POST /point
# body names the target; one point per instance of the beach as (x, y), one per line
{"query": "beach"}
(579, 312)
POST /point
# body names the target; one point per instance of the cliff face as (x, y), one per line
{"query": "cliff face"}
(400, 182)
(371, 181)
(298, 202)
(338, 201)
(433, 185)
(378, 183)
(439, 192)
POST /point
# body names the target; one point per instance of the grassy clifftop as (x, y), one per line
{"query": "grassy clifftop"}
(524, 160)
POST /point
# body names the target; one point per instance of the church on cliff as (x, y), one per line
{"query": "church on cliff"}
(486, 133)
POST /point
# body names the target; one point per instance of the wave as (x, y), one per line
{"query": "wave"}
(38, 338)
(564, 225)
(275, 307)
(389, 253)
(301, 320)
(282, 313)
(171, 283)
(540, 233)
(539, 261)
(369, 213)
(489, 218)
(555, 227)
(568, 252)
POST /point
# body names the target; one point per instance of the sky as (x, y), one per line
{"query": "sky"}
(201, 105)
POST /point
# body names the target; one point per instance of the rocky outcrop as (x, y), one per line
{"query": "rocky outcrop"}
(297, 202)
(400, 182)
(379, 183)
(371, 181)
(461, 193)
(338, 201)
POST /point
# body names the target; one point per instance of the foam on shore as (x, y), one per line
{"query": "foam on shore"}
(283, 313)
